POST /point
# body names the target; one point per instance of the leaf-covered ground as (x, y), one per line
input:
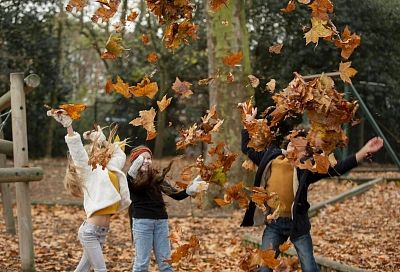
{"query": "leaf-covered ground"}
(363, 231)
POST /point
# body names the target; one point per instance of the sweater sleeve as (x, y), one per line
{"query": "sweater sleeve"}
(172, 192)
(118, 157)
(253, 155)
(339, 169)
(77, 151)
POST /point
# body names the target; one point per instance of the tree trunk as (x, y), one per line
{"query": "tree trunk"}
(223, 39)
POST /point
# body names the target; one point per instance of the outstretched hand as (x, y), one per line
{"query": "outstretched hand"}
(372, 146)
(61, 116)
(95, 135)
(250, 115)
(197, 185)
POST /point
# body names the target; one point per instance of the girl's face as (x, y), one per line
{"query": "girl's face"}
(146, 162)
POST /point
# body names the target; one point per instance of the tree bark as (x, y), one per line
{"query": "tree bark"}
(224, 39)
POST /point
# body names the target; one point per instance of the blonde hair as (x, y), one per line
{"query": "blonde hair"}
(73, 182)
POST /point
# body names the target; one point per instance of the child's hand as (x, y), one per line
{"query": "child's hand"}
(197, 186)
(61, 116)
(372, 146)
(249, 112)
(136, 164)
(95, 135)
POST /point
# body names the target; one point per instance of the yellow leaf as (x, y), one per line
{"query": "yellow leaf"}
(164, 103)
(318, 30)
(346, 72)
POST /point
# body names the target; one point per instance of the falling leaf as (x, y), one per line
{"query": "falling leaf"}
(276, 48)
(73, 110)
(284, 247)
(114, 47)
(146, 120)
(109, 86)
(145, 39)
(233, 59)
(144, 88)
(78, 4)
(106, 10)
(230, 77)
(182, 88)
(271, 85)
(152, 57)
(249, 165)
(216, 5)
(132, 16)
(346, 72)
(291, 6)
(253, 81)
(176, 33)
(164, 103)
(205, 81)
(318, 30)
(348, 43)
(321, 9)
(184, 250)
(122, 87)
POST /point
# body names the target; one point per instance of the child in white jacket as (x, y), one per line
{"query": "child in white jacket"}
(105, 191)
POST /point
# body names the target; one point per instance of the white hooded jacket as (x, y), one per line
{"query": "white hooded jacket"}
(98, 191)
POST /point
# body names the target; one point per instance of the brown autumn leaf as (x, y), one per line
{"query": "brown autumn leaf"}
(271, 85)
(276, 48)
(114, 47)
(216, 5)
(182, 88)
(109, 86)
(144, 88)
(291, 6)
(146, 120)
(249, 165)
(346, 72)
(321, 9)
(178, 33)
(152, 57)
(319, 29)
(73, 110)
(254, 81)
(285, 246)
(145, 39)
(205, 81)
(106, 11)
(347, 43)
(78, 4)
(268, 258)
(132, 16)
(233, 59)
(230, 77)
(184, 251)
(164, 103)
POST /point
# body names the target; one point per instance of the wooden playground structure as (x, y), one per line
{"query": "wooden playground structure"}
(21, 174)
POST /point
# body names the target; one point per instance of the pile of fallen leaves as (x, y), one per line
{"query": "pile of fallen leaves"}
(362, 232)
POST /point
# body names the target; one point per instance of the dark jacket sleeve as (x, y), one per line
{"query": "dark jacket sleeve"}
(339, 169)
(172, 192)
(253, 155)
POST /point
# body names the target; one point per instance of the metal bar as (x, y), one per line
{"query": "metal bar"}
(375, 126)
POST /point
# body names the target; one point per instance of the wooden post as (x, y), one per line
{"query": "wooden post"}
(20, 147)
(6, 197)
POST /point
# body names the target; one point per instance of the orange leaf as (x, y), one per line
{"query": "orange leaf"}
(131, 17)
(73, 110)
(319, 29)
(291, 6)
(346, 72)
(78, 4)
(114, 47)
(276, 48)
(348, 43)
(164, 103)
(321, 8)
(152, 57)
(144, 88)
(122, 87)
(106, 10)
(233, 59)
(182, 88)
(146, 120)
(145, 39)
(284, 247)
(109, 86)
(249, 165)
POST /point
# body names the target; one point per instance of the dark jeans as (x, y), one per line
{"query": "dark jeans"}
(277, 232)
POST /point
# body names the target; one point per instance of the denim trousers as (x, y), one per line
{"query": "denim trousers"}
(151, 234)
(277, 232)
(92, 238)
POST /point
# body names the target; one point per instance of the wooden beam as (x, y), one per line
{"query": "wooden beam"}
(20, 174)
(6, 147)
(6, 197)
(20, 148)
(352, 192)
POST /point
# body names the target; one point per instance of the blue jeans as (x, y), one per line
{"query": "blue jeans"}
(151, 234)
(277, 232)
(92, 238)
